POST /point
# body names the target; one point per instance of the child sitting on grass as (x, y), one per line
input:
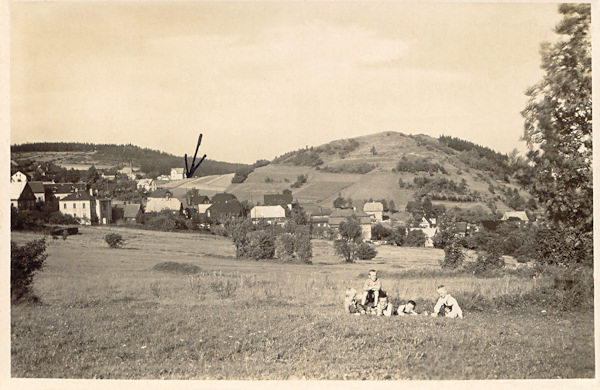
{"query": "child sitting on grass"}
(446, 305)
(371, 289)
(408, 309)
(350, 304)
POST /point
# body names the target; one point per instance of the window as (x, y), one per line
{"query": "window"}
(74, 205)
(64, 206)
(84, 205)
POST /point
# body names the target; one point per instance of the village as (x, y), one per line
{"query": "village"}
(168, 193)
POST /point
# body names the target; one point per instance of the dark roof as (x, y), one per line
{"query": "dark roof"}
(223, 197)
(27, 193)
(160, 193)
(199, 199)
(277, 199)
(36, 186)
(131, 210)
(322, 212)
(78, 196)
(491, 225)
(230, 208)
(65, 188)
(338, 216)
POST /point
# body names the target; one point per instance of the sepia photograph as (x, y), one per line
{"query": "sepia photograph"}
(304, 193)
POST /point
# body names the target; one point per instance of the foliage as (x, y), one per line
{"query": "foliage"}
(165, 221)
(37, 219)
(453, 255)
(565, 246)
(380, 232)
(341, 202)
(558, 131)
(114, 240)
(365, 251)
(419, 164)
(25, 261)
(295, 245)
(301, 179)
(487, 261)
(415, 237)
(238, 229)
(241, 174)
(360, 168)
(260, 244)
(350, 237)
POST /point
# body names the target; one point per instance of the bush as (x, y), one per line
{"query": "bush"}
(260, 245)
(177, 268)
(365, 252)
(415, 238)
(25, 261)
(114, 240)
(453, 255)
(487, 262)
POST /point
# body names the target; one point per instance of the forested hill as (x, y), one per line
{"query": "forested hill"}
(149, 160)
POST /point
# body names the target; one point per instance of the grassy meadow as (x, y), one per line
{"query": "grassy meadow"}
(107, 313)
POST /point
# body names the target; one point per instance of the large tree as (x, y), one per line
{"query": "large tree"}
(558, 130)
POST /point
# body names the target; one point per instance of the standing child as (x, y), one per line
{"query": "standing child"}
(446, 305)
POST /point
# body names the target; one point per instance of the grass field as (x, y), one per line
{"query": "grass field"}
(106, 313)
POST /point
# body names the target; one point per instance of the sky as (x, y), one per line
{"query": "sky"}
(262, 79)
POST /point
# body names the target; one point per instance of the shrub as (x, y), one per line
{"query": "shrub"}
(488, 261)
(453, 255)
(114, 240)
(25, 261)
(177, 268)
(260, 245)
(285, 246)
(415, 238)
(365, 252)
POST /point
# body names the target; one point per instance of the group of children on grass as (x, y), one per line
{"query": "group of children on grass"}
(373, 300)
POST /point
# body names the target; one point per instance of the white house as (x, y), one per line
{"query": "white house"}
(147, 185)
(427, 223)
(19, 177)
(160, 204)
(374, 210)
(429, 234)
(515, 216)
(177, 173)
(269, 214)
(79, 205)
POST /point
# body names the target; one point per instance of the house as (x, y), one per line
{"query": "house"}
(177, 173)
(269, 214)
(104, 211)
(223, 197)
(18, 177)
(39, 191)
(232, 208)
(80, 205)
(147, 185)
(161, 193)
(340, 215)
(160, 204)
(197, 199)
(131, 211)
(517, 216)
(203, 207)
(22, 196)
(427, 223)
(374, 210)
(285, 198)
(62, 190)
(320, 218)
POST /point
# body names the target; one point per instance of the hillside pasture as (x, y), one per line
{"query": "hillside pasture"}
(109, 313)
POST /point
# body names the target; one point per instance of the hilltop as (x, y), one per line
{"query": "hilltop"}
(393, 166)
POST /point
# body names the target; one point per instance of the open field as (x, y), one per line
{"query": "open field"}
(106, 313)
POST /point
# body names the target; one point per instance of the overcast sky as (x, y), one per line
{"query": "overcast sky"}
(259, 80)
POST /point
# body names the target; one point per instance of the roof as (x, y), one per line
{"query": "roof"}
(160, 204)
(177, 170)
(37, 187)
(232, 207)
(267, 212)
(160, 193)
(322, 212)
(223, 197)
(199, 199)
(520, 215)
(373, 206)
(81, 195)
(278, 199)
(65, 188)
(131, 210)
(340, 215)
(27, 193)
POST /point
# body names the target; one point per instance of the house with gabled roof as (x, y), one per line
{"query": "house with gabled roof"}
(19, 177)
(518, 216)
(273, 215)
(177, 173)
(374, 210)
(320, 218)
(131, 211)
(337, 216)
(79, 205)
(148, 185)
(223, 197)
(22, 196)
(160, 204)
(39, 191)
(232, 208)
